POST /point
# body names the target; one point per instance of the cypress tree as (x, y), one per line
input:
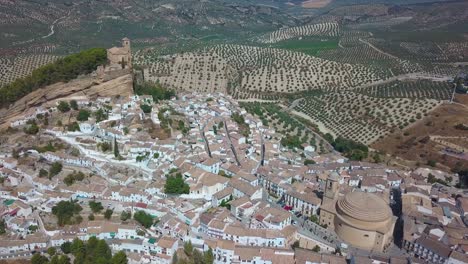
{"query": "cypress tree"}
(116, 148)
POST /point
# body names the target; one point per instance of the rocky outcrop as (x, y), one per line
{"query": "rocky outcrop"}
(87, 86)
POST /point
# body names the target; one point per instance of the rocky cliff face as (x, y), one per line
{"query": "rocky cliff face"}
(87, 86)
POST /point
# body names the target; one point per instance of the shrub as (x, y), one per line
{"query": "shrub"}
(155, 90)
(176, 185)
(55, 169)
(108, 214)
(83, 115)
(96, 207)
(31, 128)
(73, 127)
(143, 218)
(146, 108)
(74, 105)
(63, 107)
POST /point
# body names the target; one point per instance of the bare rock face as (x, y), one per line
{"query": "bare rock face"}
(88, 86)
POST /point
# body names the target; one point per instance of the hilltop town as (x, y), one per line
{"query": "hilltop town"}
(215, 131)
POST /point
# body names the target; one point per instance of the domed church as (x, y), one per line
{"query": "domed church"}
(363, 220)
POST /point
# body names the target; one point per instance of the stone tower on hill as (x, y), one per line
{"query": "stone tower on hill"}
(120, 57)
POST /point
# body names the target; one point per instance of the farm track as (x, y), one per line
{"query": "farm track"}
(378, 50)
(320, 126)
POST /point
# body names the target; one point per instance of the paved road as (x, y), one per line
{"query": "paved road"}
(308, 229)
(232, 145)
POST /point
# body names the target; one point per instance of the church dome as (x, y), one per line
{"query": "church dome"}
(365, 207)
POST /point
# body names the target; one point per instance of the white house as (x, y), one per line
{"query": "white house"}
(210, 165)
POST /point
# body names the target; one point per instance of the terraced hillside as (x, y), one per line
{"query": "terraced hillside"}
(360, 117)
(12, 68)
(321, 29)
(258, 70)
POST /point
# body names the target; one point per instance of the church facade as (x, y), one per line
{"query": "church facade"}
(120, 57)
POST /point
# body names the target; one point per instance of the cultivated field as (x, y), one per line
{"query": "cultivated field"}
(272, 115)
(410, 89)
(189, 71)
(360, 117)
(257, 69)
(323, 29)
(12, 68)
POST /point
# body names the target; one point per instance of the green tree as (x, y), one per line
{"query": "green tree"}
(90, 247)
(74, 105)
(80, 258)
(91, 217)
(314, 219)
(116, 148)
(125, 215)
(105, 146)
(143, 218)
(146, 108)
(175, 258)
(96, 207)
(83, 115)
(39, 259)
(33, 228)
(43, 173)
(188, 248)
(102, 250)
(66, 247)
(64, 260)
(119, 258)
(72, 177)
(100, 115)
(67, 212)
(108, 214)
(291, 142)
(54, 260)
(176, 185)
(295, 244)
(63, 107)
(238, 118)
(55, 169)
(208, 257)
(31, 127)
(316, 249)
(351, 149)
(197, 256)
(62, 70)
(155, 90)
(2, 227)
(51, 251)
